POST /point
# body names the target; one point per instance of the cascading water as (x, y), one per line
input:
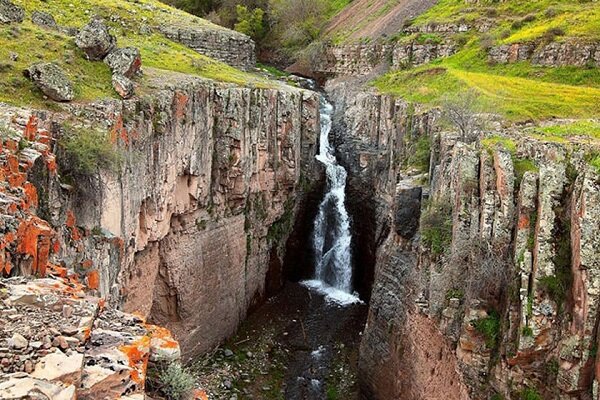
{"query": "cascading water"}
(332, 238)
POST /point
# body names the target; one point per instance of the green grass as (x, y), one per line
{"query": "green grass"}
(515, 98)
(582, 129)
(92, 80)
(518, 91)
(577, 18)
(492, 142)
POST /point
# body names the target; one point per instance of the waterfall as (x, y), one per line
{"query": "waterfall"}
(331, 236)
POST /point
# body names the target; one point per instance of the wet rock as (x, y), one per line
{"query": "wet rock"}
(126, 61)
(10, 12)
(52, 81)
(95, 40)
(123, 86)
(44, 19)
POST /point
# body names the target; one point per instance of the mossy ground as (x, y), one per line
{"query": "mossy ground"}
(92, 80)
(519, 91)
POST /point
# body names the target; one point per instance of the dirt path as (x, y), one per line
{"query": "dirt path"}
(376, 18)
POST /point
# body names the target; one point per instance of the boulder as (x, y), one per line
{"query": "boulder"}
(123, 86)
(51, 80)
(95, 40)
(126, 61)
(58, 366)
(30, 388)
(43, 19)
(10, 12)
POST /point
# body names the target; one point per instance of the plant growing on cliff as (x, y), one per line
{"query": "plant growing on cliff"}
(489, 328)
(490, 271)
(530, 394)
(172, 380)
(436, 226)
(87, 150)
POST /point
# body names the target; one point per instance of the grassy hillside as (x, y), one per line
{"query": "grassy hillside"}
(519, 91)
(92, 80)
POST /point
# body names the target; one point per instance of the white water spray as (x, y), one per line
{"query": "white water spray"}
(332, 238)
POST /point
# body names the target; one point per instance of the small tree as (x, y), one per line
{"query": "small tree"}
(249, 22)
(463, 111)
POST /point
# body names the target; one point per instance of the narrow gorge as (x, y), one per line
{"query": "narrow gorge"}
(408, 211)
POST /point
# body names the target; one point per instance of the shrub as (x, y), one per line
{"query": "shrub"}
(421, 155)
(530, 394)
(489, 328)
(173, 381)
(88, 150)
(527, 331)
(250, 22)
(490, 272)
(436, 226)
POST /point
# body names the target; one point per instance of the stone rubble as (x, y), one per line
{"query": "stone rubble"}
(95, 40)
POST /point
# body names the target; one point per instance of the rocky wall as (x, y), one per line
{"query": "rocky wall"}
(496, 290)
(184, 232)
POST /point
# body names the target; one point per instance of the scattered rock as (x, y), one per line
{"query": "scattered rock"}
(13, 56)
(123, 86)
(10, 12)
(28, 388)
(58, 366)
(95, 40)
(126, 61)
(228, 353)
(17, 341)
(44, 19)
(51, 80)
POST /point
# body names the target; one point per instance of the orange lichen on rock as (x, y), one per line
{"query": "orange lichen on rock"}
(93, 280)
(31, 129)
(200, 395)
(70, 223)
(34, 237)
(31, 196)
(138, 353)
(164, 335)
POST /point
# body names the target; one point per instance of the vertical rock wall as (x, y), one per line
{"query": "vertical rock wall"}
(185, 232)
(519, 254)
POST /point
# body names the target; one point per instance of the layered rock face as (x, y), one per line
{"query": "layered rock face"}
(185, 231)
(548, 55)
(232, 47)
(496, 292)
(211, 179)
(362, 59)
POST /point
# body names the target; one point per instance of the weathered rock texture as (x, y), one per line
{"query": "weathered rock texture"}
(548, 55)
(362, 59)
(60, 342)
(185, 232)
(518, 252)
(231, 47)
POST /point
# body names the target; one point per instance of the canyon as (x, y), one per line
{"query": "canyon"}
(363, 244)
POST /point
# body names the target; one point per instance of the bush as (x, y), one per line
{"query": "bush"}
(88, 150)
(250, 22)
(420, 157)
(174, 381)
(527, 331)
(530, 394)
(489, 327)
(436, 226)
(490, 272)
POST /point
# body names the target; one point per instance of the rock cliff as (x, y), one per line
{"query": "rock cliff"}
(495, 292)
